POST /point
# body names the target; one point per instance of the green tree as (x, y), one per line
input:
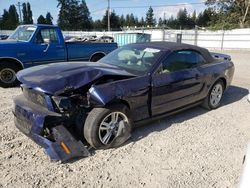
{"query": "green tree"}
(48, 19)
(132, 19)
(205, 18)
(128, 20)
(114, 21)
(41, 20)
(160, 22)
(142, 22)
(9, 18)
(235, 12)
(63, 21)
(27, 13)
(13, 19)
(122, 21)
(194, 16)
(173, 23)
(4, 21)
(74, 15)
(150, 17)
(97, 25)
(84, 16)
(182, 18)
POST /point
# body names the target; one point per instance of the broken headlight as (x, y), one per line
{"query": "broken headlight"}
(62, 103)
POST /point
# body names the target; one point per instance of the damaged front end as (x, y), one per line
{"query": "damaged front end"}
(56, 122)
(49, 124)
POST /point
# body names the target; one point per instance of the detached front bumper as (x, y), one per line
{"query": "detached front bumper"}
(31, 119)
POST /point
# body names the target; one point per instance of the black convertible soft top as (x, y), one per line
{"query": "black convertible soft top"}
(173, 46)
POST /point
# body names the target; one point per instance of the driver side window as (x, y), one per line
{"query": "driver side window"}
(44, 34)
(180, 60)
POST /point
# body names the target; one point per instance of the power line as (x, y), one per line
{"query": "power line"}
(168, 5)
(153, 6)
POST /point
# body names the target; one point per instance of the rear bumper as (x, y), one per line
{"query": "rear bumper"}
(31, 119)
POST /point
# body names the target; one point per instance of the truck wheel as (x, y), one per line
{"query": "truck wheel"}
(213, 99)
(97, 57)
(102, 126)
(8, 75)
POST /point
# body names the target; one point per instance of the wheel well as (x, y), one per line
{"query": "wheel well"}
(224, 81)
(100, 54)
(120, 101)
(13, 61)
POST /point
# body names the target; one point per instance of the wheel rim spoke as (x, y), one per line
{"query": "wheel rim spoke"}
(216, 95)
(7, 75)
(107, 137)
(115, 117)
(105, 126)
(109, 126)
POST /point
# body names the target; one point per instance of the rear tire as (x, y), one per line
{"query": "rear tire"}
(99, 128)
(213, 99)
(96, 57)
(8, 74)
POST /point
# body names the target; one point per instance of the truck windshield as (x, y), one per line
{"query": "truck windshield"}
(23, 33)
(137, 60)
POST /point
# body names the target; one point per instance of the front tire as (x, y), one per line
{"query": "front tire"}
(103, 124)
(8, 75)
(213, 99)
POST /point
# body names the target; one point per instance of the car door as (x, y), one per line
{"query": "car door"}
(47, 47)
(177, 81)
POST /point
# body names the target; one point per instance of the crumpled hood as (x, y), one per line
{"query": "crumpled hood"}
(54, 78)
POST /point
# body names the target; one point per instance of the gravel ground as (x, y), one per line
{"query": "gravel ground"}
(195, 148)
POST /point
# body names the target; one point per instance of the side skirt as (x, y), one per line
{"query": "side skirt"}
(154, 118)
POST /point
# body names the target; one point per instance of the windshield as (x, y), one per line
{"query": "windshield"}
(23, 33)
(137, 60)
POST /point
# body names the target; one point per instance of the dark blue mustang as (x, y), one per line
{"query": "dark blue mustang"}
(66, 107)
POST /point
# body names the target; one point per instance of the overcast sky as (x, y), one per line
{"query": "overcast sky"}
(97, 7)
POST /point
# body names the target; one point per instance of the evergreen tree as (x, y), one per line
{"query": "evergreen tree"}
(114, 21)
(182, 18)
(74, 15)
(5, 16)
(122, 21)
(48, 19)
(27, 14)
(230, 13)
(205, 18)
(63, 21)
(41, 20)
(97, 25)
(128, 20)
(194, 17)
(85, 18)
(142, 22)
(13, 19)
(132, 19)
(160, 22)
(150, 17)
(9, 18)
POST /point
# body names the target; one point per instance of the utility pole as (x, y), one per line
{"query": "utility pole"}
(20, 13)
(108, 15)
